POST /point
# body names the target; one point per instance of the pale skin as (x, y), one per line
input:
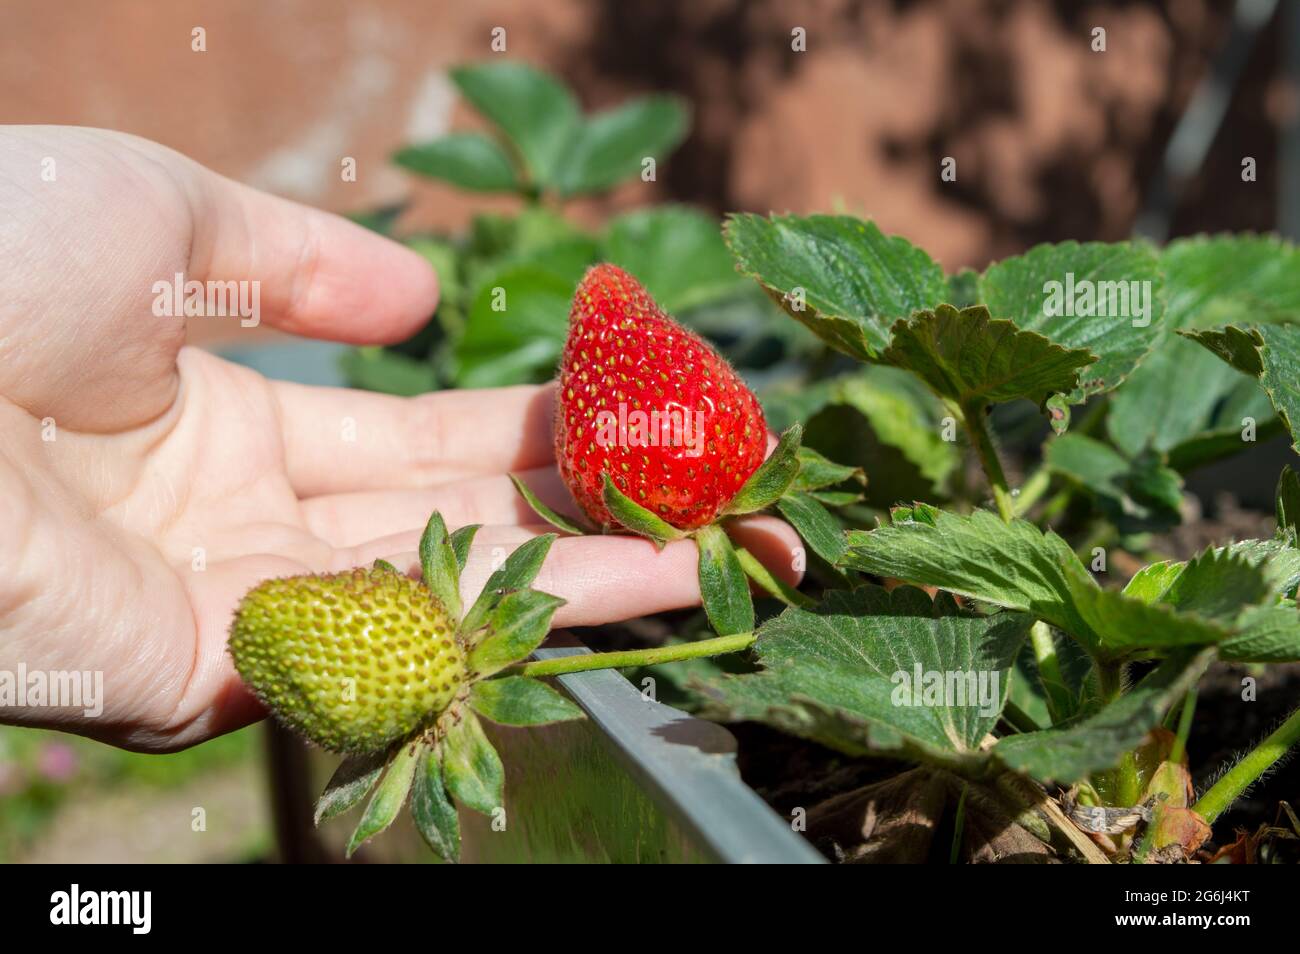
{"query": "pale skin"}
(165, 458)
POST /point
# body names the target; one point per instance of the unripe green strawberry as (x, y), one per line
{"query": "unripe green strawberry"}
(354, 661)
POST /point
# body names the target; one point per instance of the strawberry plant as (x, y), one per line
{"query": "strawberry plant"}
(989, 472)
(975, 643)
(1059, 680)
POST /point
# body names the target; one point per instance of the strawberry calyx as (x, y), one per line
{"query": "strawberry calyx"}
(444, 756)
(400, 688)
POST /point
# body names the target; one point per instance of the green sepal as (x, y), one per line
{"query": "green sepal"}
(574, 525)
(773, 478)
(461, 540)
(724, 588)
(438, 565)
(432, 811)
(632, 516)
(515, 628)
(385, 565)
(815, 525)
(773, 586)
(351, 781)
(519, 570)
(520, 700)
(817, 471)
(388, 798)
(836, 498)
(473, 769)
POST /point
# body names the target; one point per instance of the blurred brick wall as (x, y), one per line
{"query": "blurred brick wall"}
(1052, 140)
(284, 90)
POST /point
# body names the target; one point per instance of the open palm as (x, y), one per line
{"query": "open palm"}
(145, 486)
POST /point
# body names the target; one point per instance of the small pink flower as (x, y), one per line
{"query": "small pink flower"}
(57, 762)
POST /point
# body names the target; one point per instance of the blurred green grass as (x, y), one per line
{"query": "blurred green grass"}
(42, 772)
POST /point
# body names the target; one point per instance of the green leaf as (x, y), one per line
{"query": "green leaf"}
(461, 540)
(1287, 506)
(1279, 560)
(1134, 495)
(515, 628)
(1240, 574)
(838, 275)
(535, 235)
(773, 478)
(518, 700)
(1178, 396)
(632, 516)
(519, 570)
(1119, 325)
(964, 288)
(815, 525)
(676, 252)
(1150, 583)
(439, 567)
(1229, 434)
(432, 811)
(974, 359)
(390, 372)
(1235, 586)
(573, 525)
(610, 146)
(388, 798)
(1217, 583)
(468, 160)
(887, 422)
(1071, 754)
(1265, 634)
(844, 674)
(516, 327)
(816, 472)
(444, 255)
(1270, 353)
(1014, 565)
(915, 512)
(770, 583)
(473, 770)
(1128, 626)
(385, 565)
(835, 498)
(1229, 279)
(534, 110)
(724, 589)
(351, 782)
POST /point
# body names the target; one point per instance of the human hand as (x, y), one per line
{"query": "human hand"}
(146, 486)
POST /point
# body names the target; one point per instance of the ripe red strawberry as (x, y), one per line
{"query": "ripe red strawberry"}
(651, 404)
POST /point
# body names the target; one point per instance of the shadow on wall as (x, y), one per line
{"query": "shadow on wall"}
(1052, 140)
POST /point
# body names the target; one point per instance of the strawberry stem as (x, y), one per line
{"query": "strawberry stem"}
(974, 414)
(634, 657)
(1245, 773)
(1055, 688)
